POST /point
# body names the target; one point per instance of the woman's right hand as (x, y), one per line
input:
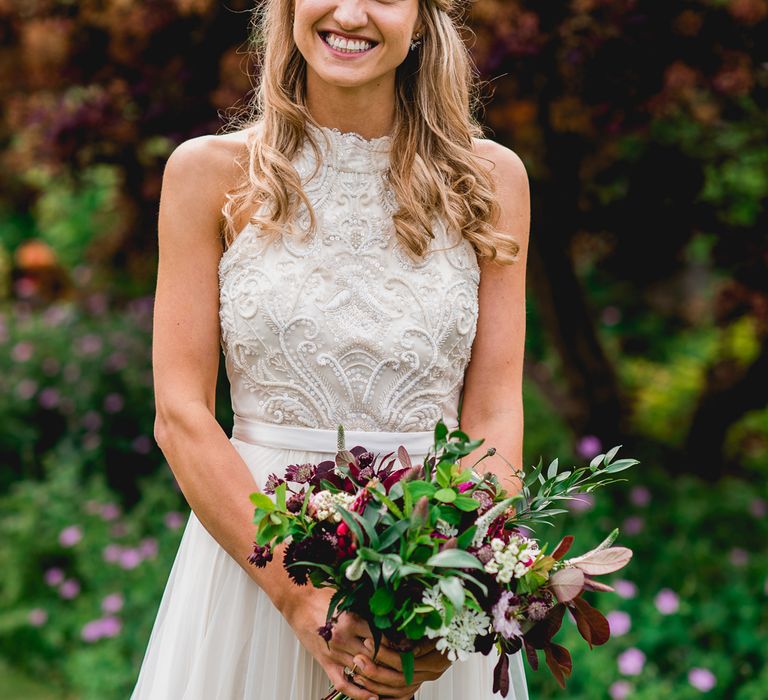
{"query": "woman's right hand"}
(305, 610)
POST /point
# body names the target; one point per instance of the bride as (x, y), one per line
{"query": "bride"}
(350, 245)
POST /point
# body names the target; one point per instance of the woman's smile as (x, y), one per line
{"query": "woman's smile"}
(346, 48)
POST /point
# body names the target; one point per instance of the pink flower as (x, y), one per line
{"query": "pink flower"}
(49, 397)
(581, 502)
(70, 536)
(110, 511)
(174, 520)
(619, 622)
(112, 603)
(69, 589)
(112, 552)
(667, 601)
(141, 444)
(758, 507)
(631, 662)
(37, 617)
(738, 556)
(625, 589)
(465, 486)
(54, 576)
(639, 496)
(620, 690)
(22, 351)
(589, 446)
(101, 627)
(26, 389)
(148, 547)
(113, 403)
(702, 679)
(130, 558)
(633, 525)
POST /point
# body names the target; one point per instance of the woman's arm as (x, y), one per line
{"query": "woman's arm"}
(185, 354)
(492, 404)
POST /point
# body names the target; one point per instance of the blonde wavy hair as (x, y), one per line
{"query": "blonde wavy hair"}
(432, 169)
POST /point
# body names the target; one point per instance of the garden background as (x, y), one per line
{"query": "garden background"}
(644, 129)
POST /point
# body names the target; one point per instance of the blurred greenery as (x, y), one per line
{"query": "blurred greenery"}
(644, 130)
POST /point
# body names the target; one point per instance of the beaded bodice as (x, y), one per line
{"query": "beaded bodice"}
(344, 327)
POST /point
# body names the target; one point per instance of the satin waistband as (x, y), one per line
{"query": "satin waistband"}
(298, 437)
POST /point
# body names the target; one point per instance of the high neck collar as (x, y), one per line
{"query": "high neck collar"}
(349, 151)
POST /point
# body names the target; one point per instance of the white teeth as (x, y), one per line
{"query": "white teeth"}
(347, 45)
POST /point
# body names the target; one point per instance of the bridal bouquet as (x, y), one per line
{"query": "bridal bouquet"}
(438, 551)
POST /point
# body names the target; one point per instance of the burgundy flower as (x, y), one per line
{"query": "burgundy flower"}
(300, 473)
(273, 481)
(294, 503)
(326, 631)
(261, 556)
(317, 549)
(345, 544)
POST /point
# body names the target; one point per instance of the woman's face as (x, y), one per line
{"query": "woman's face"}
(350, 43)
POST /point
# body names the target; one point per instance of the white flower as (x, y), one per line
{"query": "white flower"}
(511, 559)
(324, 505)
(457, 638)
(445, 528)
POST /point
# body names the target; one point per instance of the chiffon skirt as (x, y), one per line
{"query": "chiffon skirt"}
(217, 635)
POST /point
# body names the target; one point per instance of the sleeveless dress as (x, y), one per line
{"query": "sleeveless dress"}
(340, 328)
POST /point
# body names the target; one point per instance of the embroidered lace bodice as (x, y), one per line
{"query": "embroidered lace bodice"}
(345, 327)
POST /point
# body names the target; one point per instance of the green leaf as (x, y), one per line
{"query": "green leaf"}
(407, 659)
(280, 496)
(452, 587)
(454, 557)
(532, 476)
(382, 601)
(420, 488)
(382, 623)
(275, 518)
(261, 500)
(466, 503)
(466, 537)
(393, 533)
(552, 471)
(352, 523)
(446, 495)
(619, 466)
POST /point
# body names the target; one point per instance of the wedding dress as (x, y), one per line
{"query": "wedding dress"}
(340, 328)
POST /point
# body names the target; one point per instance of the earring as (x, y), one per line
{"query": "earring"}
(415, 42)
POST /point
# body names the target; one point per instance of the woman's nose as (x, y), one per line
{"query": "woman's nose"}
(350, 14)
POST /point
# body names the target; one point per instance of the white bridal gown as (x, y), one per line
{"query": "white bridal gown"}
(341, 328)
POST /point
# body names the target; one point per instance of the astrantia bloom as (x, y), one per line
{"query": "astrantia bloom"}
(300, 473)
(261, 556)
(324, 505)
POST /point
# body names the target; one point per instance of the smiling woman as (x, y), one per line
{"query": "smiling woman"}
(367, 255)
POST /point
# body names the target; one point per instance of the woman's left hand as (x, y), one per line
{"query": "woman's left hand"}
(429, 665)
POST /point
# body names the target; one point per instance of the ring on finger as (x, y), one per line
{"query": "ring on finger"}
(349, 673)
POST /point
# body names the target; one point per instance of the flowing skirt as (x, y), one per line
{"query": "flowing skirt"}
(217, 635)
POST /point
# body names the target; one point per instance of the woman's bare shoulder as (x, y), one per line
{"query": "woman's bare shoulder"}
(504, 160)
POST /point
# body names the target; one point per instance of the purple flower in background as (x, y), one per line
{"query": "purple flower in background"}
(667, 601)
(54, 576)
(26, 389)
(141, 444)
(69, 589)
(112, 603)
(581, 502)
(589, 446)
(112, 552)
(89, 344)
(633, 525)
(113, 403)
(109, 511)
(148, 548)
(22, 351)
(619, 622)
(91, 442)
(625, 589)
(96, 303)
(70, 536)
(92, 507)
(620, 690)
(92, 420)
(49, 398)
(639, 496)
(91, 631)
(702, 679)
(738, 556)
(130, 558)
(111, 626)
(631, 661)
(174, 520)
(50, 366)
(118, 530)
(37, 617)
(758, 507)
